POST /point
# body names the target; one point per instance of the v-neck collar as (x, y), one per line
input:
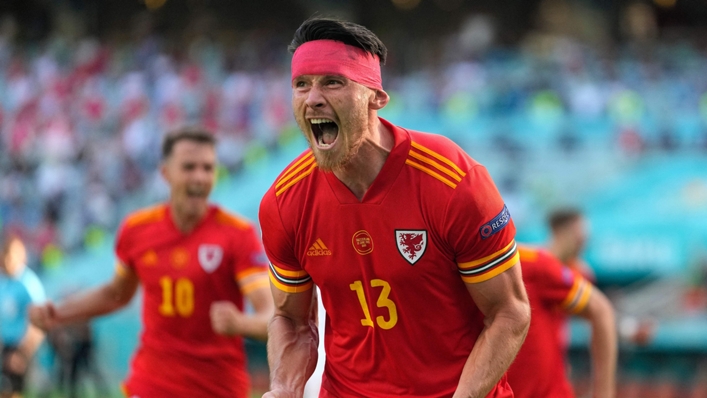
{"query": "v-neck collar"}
(168, 214)
(385, 178)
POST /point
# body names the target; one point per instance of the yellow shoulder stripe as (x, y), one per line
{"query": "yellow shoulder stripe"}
(436, 165)
(296, 179)
(231, 219)
(430, 172)
(145, 216)
(438, 157)
(305, 161)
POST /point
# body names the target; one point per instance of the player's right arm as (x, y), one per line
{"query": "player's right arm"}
(293, 339)
(293, 336)
(104, 299)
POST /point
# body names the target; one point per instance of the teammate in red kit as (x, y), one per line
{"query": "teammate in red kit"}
(405, 235)
(196, 263)
(556, 291)
(569, 230)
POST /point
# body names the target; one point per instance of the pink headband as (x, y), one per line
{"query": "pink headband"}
(330, 57)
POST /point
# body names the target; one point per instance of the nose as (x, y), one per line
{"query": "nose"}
(315, 99)
(202, 174)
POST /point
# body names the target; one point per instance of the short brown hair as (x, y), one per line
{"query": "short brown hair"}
(323, 28)
(191, 133)
(562, 217)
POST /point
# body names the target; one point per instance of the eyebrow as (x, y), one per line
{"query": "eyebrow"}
(342, 77)
(331, 76)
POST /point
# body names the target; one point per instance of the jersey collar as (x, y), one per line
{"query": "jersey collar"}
(386, 177)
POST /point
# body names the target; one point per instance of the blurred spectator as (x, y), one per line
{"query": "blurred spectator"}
(630, 141)
(568, 141)
(19, 288)
(666, 140)
(74, 347)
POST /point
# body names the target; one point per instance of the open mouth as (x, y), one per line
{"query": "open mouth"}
(197, 193)
(325, 132)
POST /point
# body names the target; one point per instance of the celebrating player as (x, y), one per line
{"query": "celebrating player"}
(405, 235)
(556, 291)
(196, 263)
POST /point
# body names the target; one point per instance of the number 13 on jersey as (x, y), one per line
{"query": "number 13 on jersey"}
(382, 302)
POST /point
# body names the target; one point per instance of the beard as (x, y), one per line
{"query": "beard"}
(349, 141)
(337, 160)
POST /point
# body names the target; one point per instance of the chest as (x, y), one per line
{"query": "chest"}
(13, 300)
(400, 238)
(198, 256)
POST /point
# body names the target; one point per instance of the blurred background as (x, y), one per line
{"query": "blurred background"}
(595, 104)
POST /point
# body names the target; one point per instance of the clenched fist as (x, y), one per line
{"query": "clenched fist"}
(43, 316)
(226, 318)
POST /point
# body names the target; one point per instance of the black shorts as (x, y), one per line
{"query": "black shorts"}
(10, 381)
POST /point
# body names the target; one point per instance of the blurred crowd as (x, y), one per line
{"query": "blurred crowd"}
(81, 124)
(81, 119)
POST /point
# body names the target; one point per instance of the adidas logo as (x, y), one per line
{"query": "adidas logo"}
(318, 249)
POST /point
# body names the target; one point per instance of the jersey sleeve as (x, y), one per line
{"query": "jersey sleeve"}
(251, 261)
(286, 272)
(34, 287)
(479, 228)
(561, 286)
(122, 248)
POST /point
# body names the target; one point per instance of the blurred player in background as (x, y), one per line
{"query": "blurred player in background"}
(19, 288)
(405, 235)
(556, 291)
(196, 263)
(569, 234)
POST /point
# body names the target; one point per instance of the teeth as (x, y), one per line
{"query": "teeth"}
(195, 192)
(320, 121)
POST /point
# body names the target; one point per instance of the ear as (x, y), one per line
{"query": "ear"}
(163, 170)
(379, 100)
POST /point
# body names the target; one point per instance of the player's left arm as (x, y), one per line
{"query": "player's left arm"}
(228, 320)
(600, 314)
(504, 303)
(33, 336)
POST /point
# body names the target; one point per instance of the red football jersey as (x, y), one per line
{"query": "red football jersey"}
(391, 267)
(553, 290)
(182, 275)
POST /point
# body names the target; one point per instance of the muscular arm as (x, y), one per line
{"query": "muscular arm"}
(102, 300)
(504, 303)
(600, 314)
(292, 343)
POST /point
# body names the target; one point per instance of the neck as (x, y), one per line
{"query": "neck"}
(185, 221)
(556, 249)
(360, 172)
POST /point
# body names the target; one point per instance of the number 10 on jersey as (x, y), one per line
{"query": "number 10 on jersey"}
(177, 297)
(382, 302)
